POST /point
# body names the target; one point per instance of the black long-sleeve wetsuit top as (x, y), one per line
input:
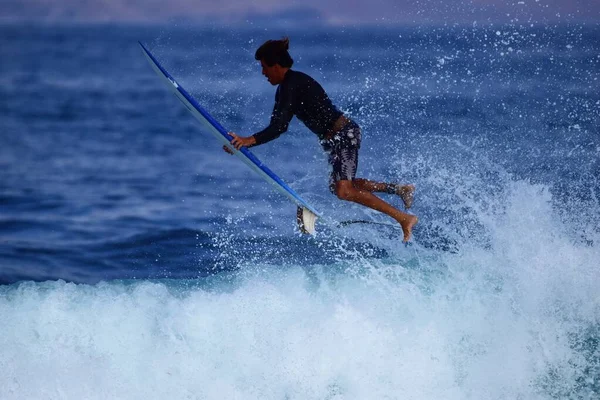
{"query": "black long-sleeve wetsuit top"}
(302, 96)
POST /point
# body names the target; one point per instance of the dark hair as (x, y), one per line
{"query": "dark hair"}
(275, 52)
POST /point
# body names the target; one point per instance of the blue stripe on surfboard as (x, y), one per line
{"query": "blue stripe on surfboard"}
(247, 153)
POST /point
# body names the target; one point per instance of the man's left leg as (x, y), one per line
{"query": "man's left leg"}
(346, 190)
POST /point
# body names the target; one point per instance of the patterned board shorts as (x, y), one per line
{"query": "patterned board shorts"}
(343, 154)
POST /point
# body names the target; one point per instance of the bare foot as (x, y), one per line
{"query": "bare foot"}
(406, 193)
(407, 224)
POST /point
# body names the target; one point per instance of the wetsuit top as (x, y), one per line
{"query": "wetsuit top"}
(302, 96)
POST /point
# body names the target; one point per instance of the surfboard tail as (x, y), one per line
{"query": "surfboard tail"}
(306, 220)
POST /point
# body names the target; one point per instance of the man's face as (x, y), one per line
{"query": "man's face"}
(272, 73)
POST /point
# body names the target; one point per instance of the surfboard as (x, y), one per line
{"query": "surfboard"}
(306, 215)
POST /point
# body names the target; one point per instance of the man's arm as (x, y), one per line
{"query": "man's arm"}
(239, 141)
(280, 120)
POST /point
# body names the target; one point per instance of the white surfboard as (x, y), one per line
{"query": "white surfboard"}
(306, 215)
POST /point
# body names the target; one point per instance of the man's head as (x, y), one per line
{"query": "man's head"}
(274, 59)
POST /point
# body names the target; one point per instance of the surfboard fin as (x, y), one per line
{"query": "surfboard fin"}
(306, 220)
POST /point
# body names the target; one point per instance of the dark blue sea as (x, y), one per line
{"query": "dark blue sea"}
(140, 261)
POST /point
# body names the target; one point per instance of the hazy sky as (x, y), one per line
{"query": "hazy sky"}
(324, 11)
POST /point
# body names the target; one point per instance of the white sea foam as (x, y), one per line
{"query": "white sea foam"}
(496, 322)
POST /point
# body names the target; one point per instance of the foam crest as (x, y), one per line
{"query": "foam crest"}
(496, 322)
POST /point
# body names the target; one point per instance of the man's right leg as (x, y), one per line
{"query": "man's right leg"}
(406, 192)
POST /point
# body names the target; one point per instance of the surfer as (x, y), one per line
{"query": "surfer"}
(300, 95)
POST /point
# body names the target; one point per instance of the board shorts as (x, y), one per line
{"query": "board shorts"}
(343, 154)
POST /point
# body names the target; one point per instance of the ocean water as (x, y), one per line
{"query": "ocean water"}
(139, 261)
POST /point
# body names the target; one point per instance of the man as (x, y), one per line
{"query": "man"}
(300, 95)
